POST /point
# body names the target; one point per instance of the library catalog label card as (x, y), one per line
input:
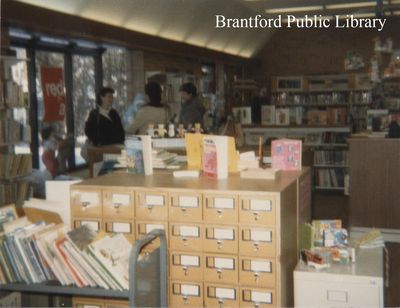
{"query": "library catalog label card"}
(225, 293)
(188, 201)
(260, 266)
(91, 199)
(154, 200)
(224, 234)
(190, 260)
(261, 205)
(261, 297)
(261, 236)
(189, 231)
(121, 227)
(190, 289)
(121, 199)
(225, 263)
(151, 227)
(223, 203)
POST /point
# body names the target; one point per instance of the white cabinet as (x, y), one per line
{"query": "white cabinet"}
(358, 284)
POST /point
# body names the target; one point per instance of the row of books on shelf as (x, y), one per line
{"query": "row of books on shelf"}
(272, 115)
(329, 177)
(331, 158)
(333, 98)
(326, 138)
(13, 131)
(14, 192)
(40, 252)
(13, 95)
(13, 165)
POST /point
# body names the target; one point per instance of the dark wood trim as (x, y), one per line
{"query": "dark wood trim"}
(69, 115)
(98, 68)
(33, 110)
(33, 18)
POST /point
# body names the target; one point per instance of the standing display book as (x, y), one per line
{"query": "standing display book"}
(215, 156)
(286, 154)
(139, 154)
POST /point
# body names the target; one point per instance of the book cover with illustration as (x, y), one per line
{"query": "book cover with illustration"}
(215, 156)
(282, 116)
(138, 154)
(286, 154)
(268, 115)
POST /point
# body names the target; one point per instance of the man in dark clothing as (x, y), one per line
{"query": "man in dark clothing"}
(192, 111)
(104, 125)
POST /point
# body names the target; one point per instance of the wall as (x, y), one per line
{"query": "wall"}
(319, 51)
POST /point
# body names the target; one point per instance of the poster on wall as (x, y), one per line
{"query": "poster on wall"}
(53, 93)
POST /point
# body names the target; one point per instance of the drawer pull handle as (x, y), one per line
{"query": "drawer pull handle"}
(220, 213)
(219, 271)
(219, 243)
(255, 216)
(185, 300)
(221, 303)
(183, 209)
(185, 241)
(85, 205)
(117, 206)
(185, 270)
(256, 247)
(150, 207)
(256, 277)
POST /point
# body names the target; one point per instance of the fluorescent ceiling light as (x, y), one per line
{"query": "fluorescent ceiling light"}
(396, 13)
(294, 9)
(349, 5)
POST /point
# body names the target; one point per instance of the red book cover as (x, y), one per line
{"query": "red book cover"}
(210, 167)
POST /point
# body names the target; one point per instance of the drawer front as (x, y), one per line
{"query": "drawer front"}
(116, 304)
(221, 268)
(144, 227)
(220, 209)
(86, 203)
(118, 204)
(257, 210)
(216, 295)
(186, 294)
(257, 242)
(127, 228)
(256, 297)
(87, 302)
(186, 237)
(186, 266)
(186, 207)
(95, 224)
(257, 272)
(346, 293)
(151, 205)
(221, 239)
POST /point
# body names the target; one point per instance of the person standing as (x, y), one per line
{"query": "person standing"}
(153, 112)
(192, 110)
(103, 126)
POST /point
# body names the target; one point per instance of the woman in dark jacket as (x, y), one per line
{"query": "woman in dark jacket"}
(104, 124)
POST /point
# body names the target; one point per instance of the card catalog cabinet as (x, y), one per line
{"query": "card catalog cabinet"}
(232, 244)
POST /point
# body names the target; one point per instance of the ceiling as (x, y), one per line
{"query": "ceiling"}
(191, 21)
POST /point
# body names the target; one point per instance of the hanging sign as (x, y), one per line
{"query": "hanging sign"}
(53, 93)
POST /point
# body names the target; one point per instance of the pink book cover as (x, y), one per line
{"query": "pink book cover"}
(210, 158)
(286, 154)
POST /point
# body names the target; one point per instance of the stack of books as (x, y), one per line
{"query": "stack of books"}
(164, 160)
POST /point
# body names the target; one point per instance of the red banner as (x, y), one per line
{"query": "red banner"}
(53, 93)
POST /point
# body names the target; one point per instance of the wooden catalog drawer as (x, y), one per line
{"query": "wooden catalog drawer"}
(186, 294)
(220, 209)
(151, 205)
(116, 303)
(255, 297)
(87, 302)
(144, 227)
(186, 207)
(220, 296)
(221, 268)
(186, 266)
(186, 237)
(257, 210)
(86, 203)
(257, 242)
(221, 239)
(257, 272)
(118, 204)
(94, 224)
(127, 228)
